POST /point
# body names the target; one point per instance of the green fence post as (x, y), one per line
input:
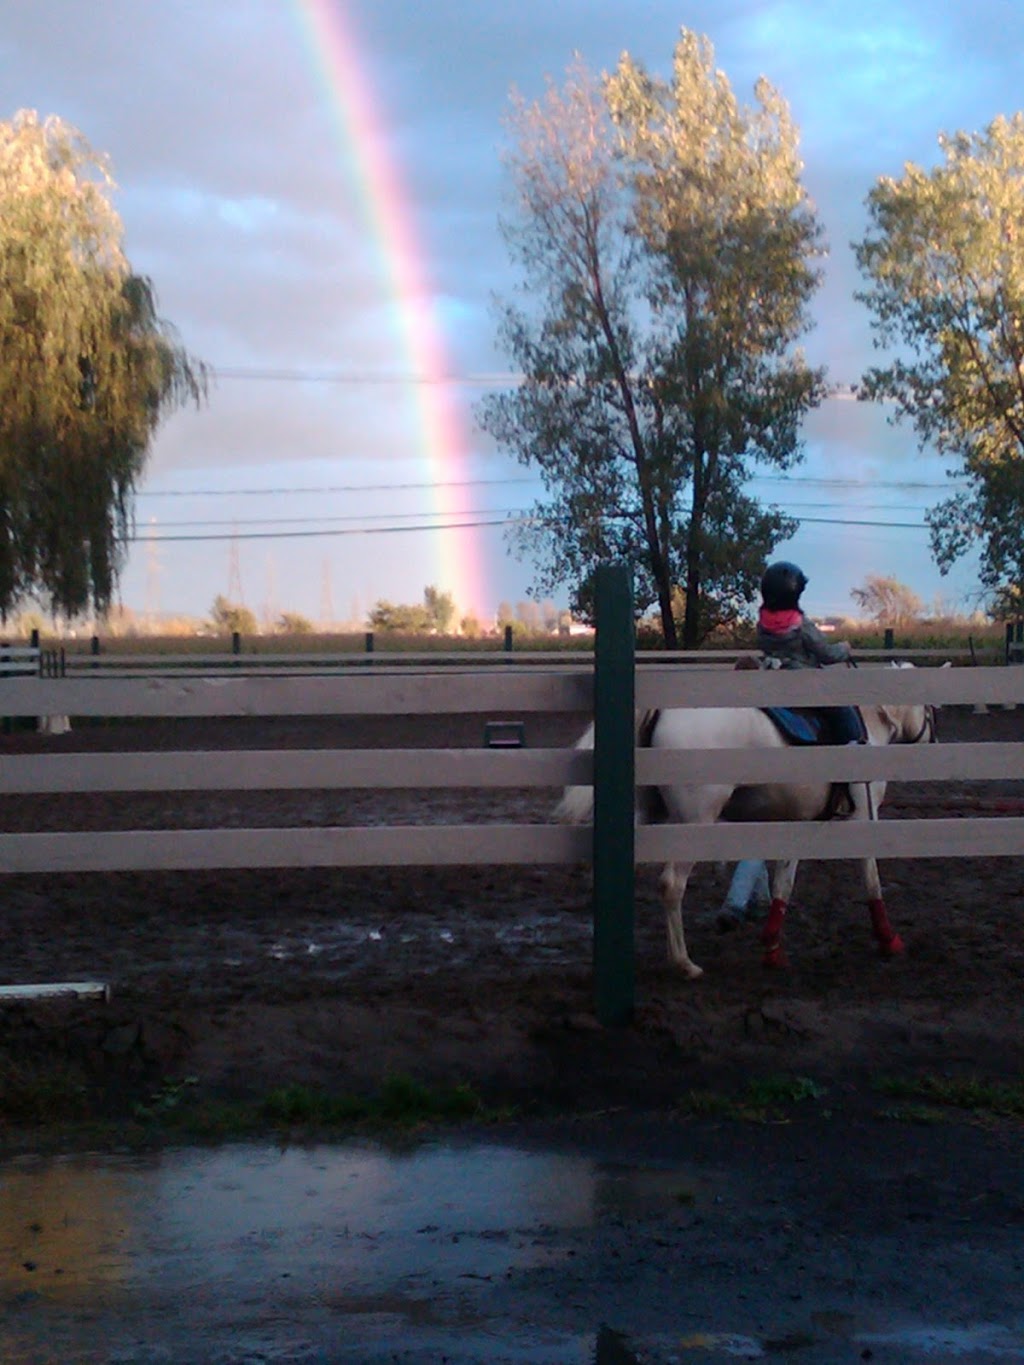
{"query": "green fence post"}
(614, 795)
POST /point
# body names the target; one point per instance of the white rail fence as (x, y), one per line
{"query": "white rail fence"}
(513, 691)
(268, 661)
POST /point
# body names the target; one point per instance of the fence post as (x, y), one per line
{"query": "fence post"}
(614, 795)
(889, 638)
(508, 639)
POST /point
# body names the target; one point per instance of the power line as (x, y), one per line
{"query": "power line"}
(484, 379)
(824, 482)
(794, 508)
(852, 521)
(327, 488)
(508, 520)
(343, 531)
(358, 377)
(906, 485)
(312, 521)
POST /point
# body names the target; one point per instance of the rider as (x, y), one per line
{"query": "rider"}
(784, 633)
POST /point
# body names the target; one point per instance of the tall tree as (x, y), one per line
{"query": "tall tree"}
(87, 371)
(944, 257)
(440, 608)
(887, 601)
(666, 238)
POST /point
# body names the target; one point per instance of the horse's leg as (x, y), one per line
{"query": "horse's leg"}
(889, 942)
(672, 884)
(783, 877)
(867, 799)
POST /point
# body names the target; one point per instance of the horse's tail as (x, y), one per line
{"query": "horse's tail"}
(577, 804)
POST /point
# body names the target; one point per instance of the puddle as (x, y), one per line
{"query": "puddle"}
(978, 1341)
(249, 1255)
(342, 945)
(378, 1248)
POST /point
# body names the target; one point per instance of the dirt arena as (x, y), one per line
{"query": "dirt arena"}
(247, 981)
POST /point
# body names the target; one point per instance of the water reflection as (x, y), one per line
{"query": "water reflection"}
(355, 1253)
(354, 1232)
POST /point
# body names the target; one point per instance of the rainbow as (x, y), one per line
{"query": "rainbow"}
(368, 159)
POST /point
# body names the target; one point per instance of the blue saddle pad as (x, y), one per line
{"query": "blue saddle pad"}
(797, 726)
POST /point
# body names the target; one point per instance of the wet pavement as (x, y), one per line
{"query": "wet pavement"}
(466, 1252)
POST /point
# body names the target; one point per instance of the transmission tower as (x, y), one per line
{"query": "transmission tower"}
(154, 565)
(235, 594)
(270, 604)
(326, 596)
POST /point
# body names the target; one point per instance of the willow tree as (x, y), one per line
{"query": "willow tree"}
(87, 371)
(668, 252)
(944, 258)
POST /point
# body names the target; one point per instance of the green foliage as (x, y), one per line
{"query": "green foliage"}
(440, 608)
(164, 1101)
(944, 260)
(232, 616)
(400, 1102)
(87, 371)
(389, 617)
(435, 614)
(972, 1093)
(665, 237)
(292, 623)
(767, 1099)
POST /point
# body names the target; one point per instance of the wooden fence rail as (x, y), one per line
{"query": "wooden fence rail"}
(608, 686)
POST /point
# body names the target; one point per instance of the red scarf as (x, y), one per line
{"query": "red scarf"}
(780, 622)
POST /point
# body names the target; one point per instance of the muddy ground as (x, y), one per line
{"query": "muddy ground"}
(334, 979)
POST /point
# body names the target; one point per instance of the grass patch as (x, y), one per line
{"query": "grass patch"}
(767, 1099)
(991, 1098)
(776, 1090)
(50, 1095)
(54, 1108)
(922, 1114)
(400, 1103)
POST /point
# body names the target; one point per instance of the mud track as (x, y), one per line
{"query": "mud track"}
(335, 978)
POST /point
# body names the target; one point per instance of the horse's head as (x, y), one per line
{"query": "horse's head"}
(913, 723)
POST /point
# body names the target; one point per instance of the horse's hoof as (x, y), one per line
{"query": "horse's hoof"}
(728, 920)
(775, 958)
(892, 947)
(691, 971)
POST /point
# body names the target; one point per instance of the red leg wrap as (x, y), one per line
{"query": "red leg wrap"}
(889, 942)
(771, 935)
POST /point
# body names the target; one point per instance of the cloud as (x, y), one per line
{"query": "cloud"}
(241, 200)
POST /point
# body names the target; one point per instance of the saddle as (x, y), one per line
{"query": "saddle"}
(804, 725)
(808, 725)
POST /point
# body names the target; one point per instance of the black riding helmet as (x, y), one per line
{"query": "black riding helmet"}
(782, 585)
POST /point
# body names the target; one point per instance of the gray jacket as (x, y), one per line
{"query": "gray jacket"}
(800, 644)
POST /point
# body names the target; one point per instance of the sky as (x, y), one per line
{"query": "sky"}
(314, 188)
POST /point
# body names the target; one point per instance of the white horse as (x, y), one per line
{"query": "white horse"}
(743, 728)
